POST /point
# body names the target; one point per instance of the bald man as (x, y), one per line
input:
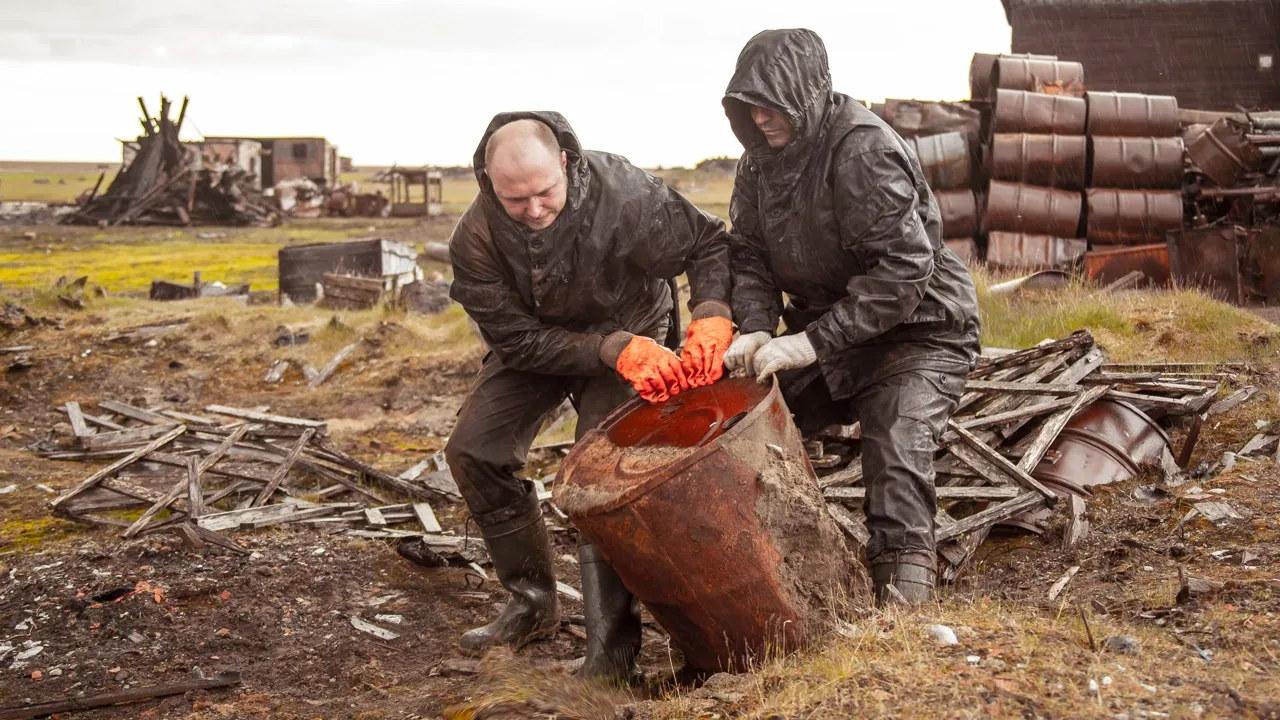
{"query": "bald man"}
(565, 261)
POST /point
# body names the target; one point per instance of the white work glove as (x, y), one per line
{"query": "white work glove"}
(784, 353)
(742, 352)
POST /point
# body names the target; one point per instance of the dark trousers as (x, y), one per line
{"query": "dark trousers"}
(498, 422)
(903, 418)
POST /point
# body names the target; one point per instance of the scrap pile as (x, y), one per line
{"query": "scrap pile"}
(1034, 427)
(252, 471)
(165, 185)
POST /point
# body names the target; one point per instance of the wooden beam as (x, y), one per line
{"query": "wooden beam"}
(990, 516)
(78, 428)
(961, 492)
(991, 386)
(318, 425)
(119, 465)
(133, 436)
(1016, 473)
(195, 496)
(278, 476)
(1052, 427)
(119, 697)
(135, 413)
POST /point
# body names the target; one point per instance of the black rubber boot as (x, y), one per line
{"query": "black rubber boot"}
(612, 616)
(902, 577)
(521, 552)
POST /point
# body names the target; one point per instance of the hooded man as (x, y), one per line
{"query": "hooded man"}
(830, 207)
(564, 261)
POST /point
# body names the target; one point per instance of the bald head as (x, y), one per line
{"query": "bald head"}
(527, 168)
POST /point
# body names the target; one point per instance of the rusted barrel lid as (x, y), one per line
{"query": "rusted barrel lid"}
(641, 445)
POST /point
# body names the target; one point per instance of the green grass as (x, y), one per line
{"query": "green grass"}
(1147, 326)
(55, 187)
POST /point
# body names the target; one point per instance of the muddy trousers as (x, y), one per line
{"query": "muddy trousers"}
(903, 418)
(489, 445)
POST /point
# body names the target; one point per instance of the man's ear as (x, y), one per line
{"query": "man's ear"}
(564, 160)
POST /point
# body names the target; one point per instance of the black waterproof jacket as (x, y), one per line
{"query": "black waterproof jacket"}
(840, 220)
(545, 300)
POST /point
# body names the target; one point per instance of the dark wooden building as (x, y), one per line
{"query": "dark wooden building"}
(1210, 54)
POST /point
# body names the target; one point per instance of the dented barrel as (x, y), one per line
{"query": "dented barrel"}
(1107, 442)
(1020, 251)
(1036, 75)
(1132, 217)
(708, 509)
(1136, 162)
(1059, 161)
(1018, 111)
(1223, 153)
(1030, 209)
(980, 68)
(944, 158)
(1132, 115)
(959, 210)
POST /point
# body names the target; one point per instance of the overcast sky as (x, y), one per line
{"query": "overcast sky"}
(416, 81)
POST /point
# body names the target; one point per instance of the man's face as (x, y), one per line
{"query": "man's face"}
(777, 131)
(533, 195)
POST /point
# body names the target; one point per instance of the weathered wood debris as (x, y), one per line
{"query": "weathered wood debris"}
(239, 468)
(992, 468)
(166, 185)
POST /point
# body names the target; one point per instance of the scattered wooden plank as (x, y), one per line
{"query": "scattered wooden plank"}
(1052, 427)
(384, 534)
(851, 474)
(190, 419)
(844, 494)
(414, 472)
(119, 697)
(1042, 371)
(15, 349)
(108, 440)
(374, 630)
(78, 427)
(849, 523)
(276, 373)
(959, 552)
(119, 465)
(337, 360)
(1182, 404)
(1014, 472)
(568, 591)
(1259, 444)
(195, 495)
(318, 425)
(192, 538)
(991, 516)
(1233, 400)
(373, 518)
(1027, 411)
(1077, 339)
(96, 420)
(233, 519)
(1218, 511)
(991, 386)
(135, 413)
(1061, 584)
(1077, 528)
(426, 517)
(278, 476)
(301, 513)
(378, 477)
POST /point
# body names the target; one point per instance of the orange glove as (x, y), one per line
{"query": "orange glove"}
(704, 348)
(653, 370)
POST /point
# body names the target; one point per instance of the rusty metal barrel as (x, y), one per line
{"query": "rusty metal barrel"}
(1059, 161)
(1132, 217)
(980, 72)
(708, 509)
(944, 158)
(1132, 115)
(1223, 153)
(1018, 111)
(964, 248)
(1020, 251)
(1035, 75)
(1029, 209)
(1153, 163)
(959, 210)
(1106, 442)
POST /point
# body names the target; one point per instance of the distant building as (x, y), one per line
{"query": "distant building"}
(221, 152)
(1210, 54)
(719, 164)
(290, 158)
(345, 165)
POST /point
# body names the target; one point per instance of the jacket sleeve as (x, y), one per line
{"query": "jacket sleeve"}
(512, 332)
(878, 210)
(675, 237)
(757, 302)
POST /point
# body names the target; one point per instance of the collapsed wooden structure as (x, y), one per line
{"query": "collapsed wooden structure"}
(165, 184)
(239, 469)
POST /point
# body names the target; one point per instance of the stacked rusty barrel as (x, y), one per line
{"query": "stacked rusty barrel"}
(945, 137)
(1037, 162)
(1135, 184)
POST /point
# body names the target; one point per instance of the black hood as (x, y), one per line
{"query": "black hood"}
(784, 70)
(577, 171)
